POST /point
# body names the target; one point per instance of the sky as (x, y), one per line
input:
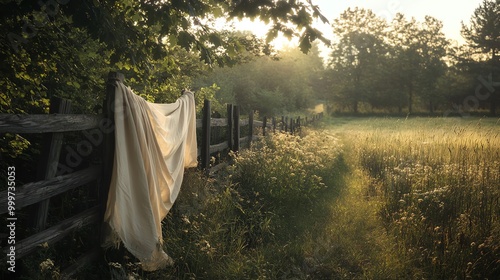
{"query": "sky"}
(450, 12)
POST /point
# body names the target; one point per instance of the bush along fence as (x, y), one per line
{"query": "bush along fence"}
(62, 171)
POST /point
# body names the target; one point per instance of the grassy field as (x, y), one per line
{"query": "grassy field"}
(355, 198)
(437, 183)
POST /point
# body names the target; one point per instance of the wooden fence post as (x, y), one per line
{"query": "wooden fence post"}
(205, 135)
(230, 131)
(264, 125)
(236, 124)
(49, 159)
(250, 127)
(274, 124)
(109, 139)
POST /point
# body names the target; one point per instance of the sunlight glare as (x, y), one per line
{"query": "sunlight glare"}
(259, 29)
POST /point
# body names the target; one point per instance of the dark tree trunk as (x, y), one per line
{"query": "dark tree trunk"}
(493, 97)
(410, 99)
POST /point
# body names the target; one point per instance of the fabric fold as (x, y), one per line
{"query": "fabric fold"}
(153, 145)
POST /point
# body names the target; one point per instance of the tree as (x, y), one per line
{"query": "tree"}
(142, 28)
(357, 55)
(483, 36)
(418, 51)
(404, 40)
(58, 48)
(271, 85)
(433, 45)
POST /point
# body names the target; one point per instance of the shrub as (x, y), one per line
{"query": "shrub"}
(287, 169)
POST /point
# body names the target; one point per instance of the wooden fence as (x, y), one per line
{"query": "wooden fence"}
(52, 179)
(234, 138)
(99, 136)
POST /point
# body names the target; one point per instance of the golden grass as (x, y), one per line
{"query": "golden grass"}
(438, 181)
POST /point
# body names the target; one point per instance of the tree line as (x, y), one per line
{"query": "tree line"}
(65, 48)
(401, 66)
(407, 66)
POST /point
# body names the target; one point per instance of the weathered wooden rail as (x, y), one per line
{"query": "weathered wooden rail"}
(50, 183)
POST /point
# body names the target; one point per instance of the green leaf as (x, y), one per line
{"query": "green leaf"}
(215, 39)
(231, 51)
(305, 43)
(271, 34)
(172, 39)
(185, 40)
(136, 17)
(288, 33)
(217, 12)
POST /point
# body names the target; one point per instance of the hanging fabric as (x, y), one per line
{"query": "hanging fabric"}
(153, 145)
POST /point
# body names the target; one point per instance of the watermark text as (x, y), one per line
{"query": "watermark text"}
(11, 220)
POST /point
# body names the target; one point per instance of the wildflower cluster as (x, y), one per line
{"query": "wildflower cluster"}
(287, 168)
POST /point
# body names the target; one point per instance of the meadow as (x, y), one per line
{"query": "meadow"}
(352, 198)
(437, 182)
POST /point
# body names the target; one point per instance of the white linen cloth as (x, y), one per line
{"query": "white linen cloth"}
(153, 145)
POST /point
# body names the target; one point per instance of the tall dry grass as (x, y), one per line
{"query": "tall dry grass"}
(439, 180)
